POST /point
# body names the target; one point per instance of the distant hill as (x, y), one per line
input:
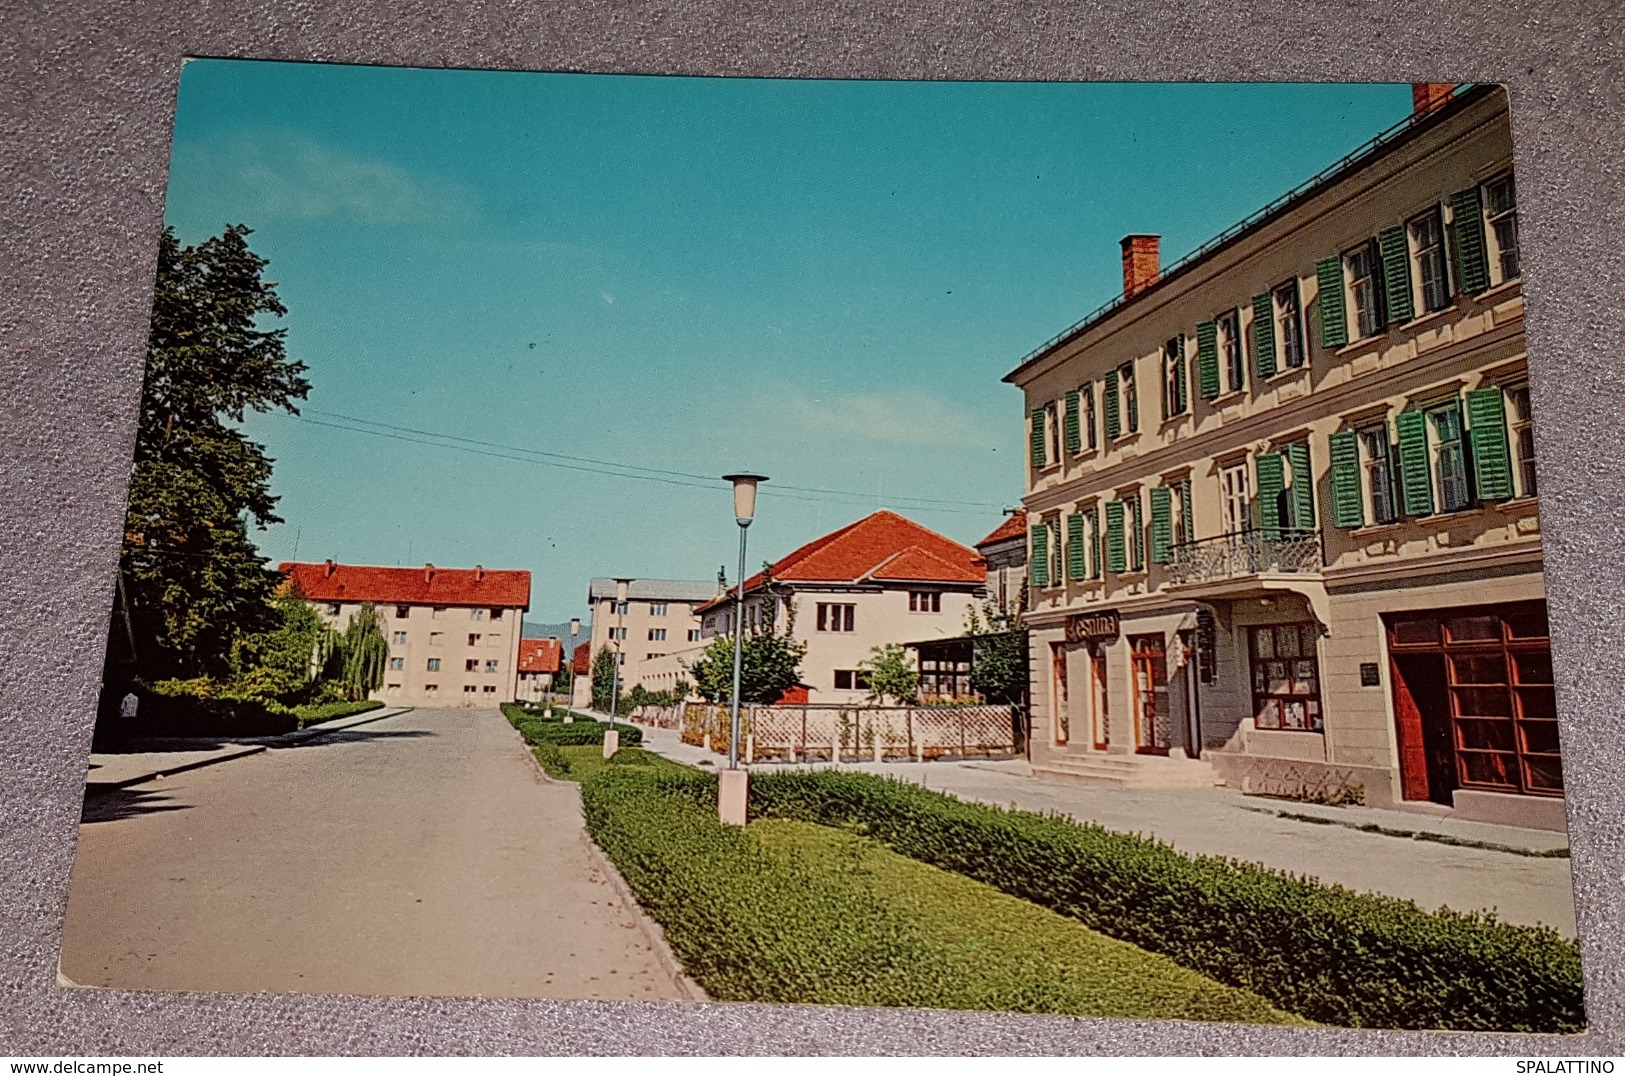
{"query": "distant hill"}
(533, 630)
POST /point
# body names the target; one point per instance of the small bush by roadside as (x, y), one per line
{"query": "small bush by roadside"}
(332, 711)
(1325, 952)
(579, 762)
(581, 731)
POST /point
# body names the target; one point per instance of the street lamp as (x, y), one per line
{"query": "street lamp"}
(612, 738)
(732, 792)
(575, 633)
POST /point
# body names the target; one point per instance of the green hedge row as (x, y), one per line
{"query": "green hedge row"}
(332, 711)
(792, 917)
(537, 730)
(1324, 952)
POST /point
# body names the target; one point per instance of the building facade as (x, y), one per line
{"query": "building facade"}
(453, 633)
(884, 579)
(538, 666)
(1005, 551)
(657, 618)
(1282, 498)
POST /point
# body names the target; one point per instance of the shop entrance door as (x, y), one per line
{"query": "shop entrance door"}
(1058, 693)
(1150, 665)
(1100, 726)
(1191, 697)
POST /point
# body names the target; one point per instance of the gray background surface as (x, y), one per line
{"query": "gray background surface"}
(86, 102)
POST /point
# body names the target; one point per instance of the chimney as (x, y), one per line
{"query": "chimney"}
(479, 572)
(1427, 96)
(1141, 266)
(428, 573)
(330, 566)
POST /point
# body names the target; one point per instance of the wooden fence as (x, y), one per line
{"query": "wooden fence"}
(820, 733)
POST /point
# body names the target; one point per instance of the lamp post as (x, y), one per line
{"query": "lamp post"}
(575, 633)
(732, 792)
(612, 737)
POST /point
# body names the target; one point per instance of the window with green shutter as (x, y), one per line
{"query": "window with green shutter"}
(1136, 534)
(1039, 567)
(1467, 226)
(1207, 360)
(1189, 534)
(1174, 393)
(1116, 546)
(1038, 438)
(1396, 273)
(1334, 325)
(1302, 496)
(1092, 514)
(1264, 335)
(1114, 418)
(1415, 475)
(1487, 436)
(1271, 483)
(1348, 505)
(1076, 566)
(1162, 524)
(1074, 437)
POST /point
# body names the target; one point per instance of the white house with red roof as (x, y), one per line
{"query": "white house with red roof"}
(884, 579)
(454, 633)
(539, 661)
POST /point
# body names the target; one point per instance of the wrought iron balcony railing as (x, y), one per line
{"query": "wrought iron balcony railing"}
(1245, 553)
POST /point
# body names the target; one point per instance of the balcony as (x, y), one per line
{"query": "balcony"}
(1245, 553)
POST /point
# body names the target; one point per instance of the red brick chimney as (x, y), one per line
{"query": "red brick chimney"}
(1427, 96)
(428, 573)
(330, 566)
(479, 572)
(1141, 264)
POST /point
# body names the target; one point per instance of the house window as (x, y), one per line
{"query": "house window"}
(430, 689)
(620, 608)
(1086, 411)
(924, 601)
(333, 608)
(1179, 508)
(1521, 426)
(620, 659)
(1286, 678)
(473, 639)
(402, 612)
(1289, 324)
(1173, 377)
(851, 680)
(1052, 433)
(657, 608)
(496, 614)
(1376, 460)
(476, 614)
(471, 665)
(1361, 268)
(489, 689)
(436, 638)
(651, 657)
(1501, 199)
(491, 665)
(432, 665)
(1227, 329)
(397, 664)
(1057, 552)
(1236, 497)
(1130, 396)
(398, 638)
(437, 612)
(657, 635)
(1428, 260)
(836, 617)
(1136, 534)
(617, 634)
(1449, 458)
(693, 635)
(470, 689)
(392, 689)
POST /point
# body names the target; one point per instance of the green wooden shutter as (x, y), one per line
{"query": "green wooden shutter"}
(1472, 259)
(1334, 323)
(1185, 509)
(1162, 524)
(1116, 550)
(1487, 433)
(1396, 273)
(1207, 360)
(1040, 561)
(1075, 564)
(1181, 391)
(1271, 480)
(1074, 441)
(1303, 486)
(1093, 515)
(1348, 502)
(1114, 418)
(1264, 335)
(1415, 475)
(1037, 435)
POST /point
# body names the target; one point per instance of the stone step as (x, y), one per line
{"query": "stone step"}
(1129, 771)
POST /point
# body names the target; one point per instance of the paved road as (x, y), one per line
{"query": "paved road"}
(419, 855)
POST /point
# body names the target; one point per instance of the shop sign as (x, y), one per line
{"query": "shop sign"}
(1092, 627)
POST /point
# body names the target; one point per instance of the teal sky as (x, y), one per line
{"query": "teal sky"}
(822, 281)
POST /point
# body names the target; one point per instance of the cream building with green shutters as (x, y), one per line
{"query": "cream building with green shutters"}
(1282, 498)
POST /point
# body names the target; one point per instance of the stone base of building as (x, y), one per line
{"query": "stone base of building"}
(1504, 809)
(1124, 770)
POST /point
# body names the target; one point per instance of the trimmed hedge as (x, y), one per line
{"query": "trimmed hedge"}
(535, 730)
(332, 711)
(579, 762)
(190, 716)
(1324, 952)
(804, 914)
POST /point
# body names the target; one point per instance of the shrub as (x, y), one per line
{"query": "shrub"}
(803, 914)
(190, 708)
(536, 731)
(1325, 952)
(316, 713)
(552, 761)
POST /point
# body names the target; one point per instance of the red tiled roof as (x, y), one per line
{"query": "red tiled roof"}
(581, 659)
(883, 546)
(428, 585)
(1014, 526)
(540, 655)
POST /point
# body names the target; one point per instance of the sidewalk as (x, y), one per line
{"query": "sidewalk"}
(120, 769)
(1433, 861)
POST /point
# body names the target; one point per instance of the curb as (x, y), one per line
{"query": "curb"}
(196, 764)
(651, 930)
